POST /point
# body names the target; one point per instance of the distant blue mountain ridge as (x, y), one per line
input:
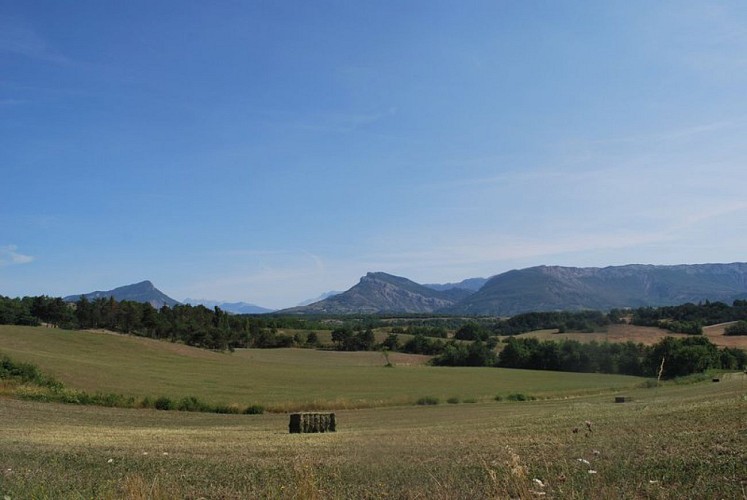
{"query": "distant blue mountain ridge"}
(534, 289)
(541, 288)
(231, 307)
(146, 292)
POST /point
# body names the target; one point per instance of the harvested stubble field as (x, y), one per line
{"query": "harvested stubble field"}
(686, 441)
(647, 335)
(673, 441)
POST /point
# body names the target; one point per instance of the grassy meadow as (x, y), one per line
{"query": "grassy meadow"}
(671, 441)
(278, 379)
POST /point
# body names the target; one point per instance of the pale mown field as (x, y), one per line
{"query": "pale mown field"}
(672, 441)
(669, 442)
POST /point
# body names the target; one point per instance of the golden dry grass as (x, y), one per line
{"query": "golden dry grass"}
(646, 335)
(669, 442)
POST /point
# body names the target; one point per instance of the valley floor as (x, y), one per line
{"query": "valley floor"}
(676, 441)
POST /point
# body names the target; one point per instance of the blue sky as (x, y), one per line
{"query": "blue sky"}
(270, 151)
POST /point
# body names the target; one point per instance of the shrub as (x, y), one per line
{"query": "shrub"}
(163, 403)
(227, 409)
(427, 400)
(191, 403)
(520, 396)
(498, 398)
(453, 401)
(111, 399)
(254, 410)
(26, 373)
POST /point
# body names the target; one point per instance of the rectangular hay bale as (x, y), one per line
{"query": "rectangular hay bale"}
(312, 422)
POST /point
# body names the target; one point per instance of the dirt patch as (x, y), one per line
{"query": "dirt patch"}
(715, 334)
(647, 335)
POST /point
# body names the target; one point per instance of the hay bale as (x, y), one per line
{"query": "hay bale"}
(312, 422)
(621, 399)
(716, 380)
(294, 426)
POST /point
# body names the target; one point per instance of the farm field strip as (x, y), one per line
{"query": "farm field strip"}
(669, 442)
(278, 378)
(647, 335)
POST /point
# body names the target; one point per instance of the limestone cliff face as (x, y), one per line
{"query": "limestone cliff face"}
(384, 293)
(555, 288)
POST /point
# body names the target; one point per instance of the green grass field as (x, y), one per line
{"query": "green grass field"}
(672, 441)
(279, 379)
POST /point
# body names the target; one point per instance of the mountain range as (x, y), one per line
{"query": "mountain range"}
(381, 292)
(471, 284)
(232, 307)
(323, 296)
(145, 291)
(542, 288)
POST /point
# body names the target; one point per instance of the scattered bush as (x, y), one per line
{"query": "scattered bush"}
(520, 396)
(227, 409)
(111, 400)
(191, 403)
(254, 410)
(498, 398)
(26, 373)
(453, 401)
(164, 403)
(427, 400)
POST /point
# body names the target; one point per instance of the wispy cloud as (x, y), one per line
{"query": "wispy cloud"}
(344, 122)
(10, 256)
(18, 37)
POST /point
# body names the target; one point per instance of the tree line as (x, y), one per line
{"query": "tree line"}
(680, 357)
(193, 325)
(690, 318)
(474, 342)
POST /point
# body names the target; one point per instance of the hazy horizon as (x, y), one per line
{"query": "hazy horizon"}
(269, 152)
